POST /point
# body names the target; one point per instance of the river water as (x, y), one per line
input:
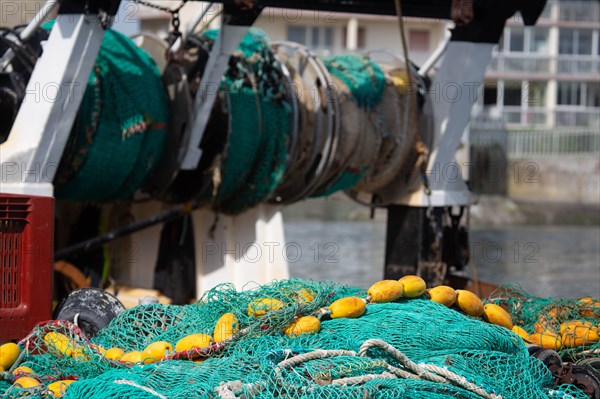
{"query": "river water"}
(557, 261)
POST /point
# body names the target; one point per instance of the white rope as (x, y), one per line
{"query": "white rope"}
(318, 354)
(226, 390)
(428, 372)
(404, 360)
(362, 379)
(401, 373)
(460, 381)
(143, 388)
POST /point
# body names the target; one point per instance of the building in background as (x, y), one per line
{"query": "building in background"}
(536, 126)
(548, 75)
(329, 33)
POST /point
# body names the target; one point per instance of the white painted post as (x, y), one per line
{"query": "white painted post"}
(249, 247)
(352, 34)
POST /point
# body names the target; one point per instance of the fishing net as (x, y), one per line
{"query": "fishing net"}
(403, 350)
(536, 314)
(364, 78)
(255, 156)
(120, 130)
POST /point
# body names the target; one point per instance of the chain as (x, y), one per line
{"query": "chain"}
(174, 12)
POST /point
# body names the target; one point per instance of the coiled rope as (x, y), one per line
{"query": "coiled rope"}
(410, 370)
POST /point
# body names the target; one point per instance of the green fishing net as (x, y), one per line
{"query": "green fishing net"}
(364, 78)
(348, 358)
(536, 314)
(120, 130)
(254, 159)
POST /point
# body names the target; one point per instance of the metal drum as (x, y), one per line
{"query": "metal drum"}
(317, 128)
(393, 173)
(182, 79)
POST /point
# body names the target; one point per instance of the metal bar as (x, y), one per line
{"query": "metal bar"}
(119, 232)
(439, 51)
(33, 25)
(227, 41)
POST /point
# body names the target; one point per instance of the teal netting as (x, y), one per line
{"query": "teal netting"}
(119, 134)
(256, 153)
(536, 314)
(347, 180)
(261, 362)
(364, 78)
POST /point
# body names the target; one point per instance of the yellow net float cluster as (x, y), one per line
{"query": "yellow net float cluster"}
(25, 377)
(571, 334)
(558, 327)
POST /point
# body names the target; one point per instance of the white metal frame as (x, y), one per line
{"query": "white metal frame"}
(453, 93)
(32, 153)
(227, 41)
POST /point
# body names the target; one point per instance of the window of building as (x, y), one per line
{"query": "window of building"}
(315, 37)
(490, 95)
(530, 39)
(569, 93)
(296, 34)
(321, 37)
(575, 41)
(513, 93)
(584, 43)
(315, 40)
(593, 94)
(361, 38)
(418, 40)
(536, 94)
(565, 41)
(538, 42)
(517, 39)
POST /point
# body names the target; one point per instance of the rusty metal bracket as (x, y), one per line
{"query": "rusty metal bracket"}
(461, 12)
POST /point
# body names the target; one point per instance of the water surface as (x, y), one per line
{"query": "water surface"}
(558, 261)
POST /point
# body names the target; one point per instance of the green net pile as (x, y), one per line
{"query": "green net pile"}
(261, 362)
(254, 159)
(536, 314)
(120, 130)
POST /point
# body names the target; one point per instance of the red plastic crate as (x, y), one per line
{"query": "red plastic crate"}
(26, 263)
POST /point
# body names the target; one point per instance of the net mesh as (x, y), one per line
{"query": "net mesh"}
(261, 362)
(119, 134)
(536, 314)
(254, 160)
(364, 78)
